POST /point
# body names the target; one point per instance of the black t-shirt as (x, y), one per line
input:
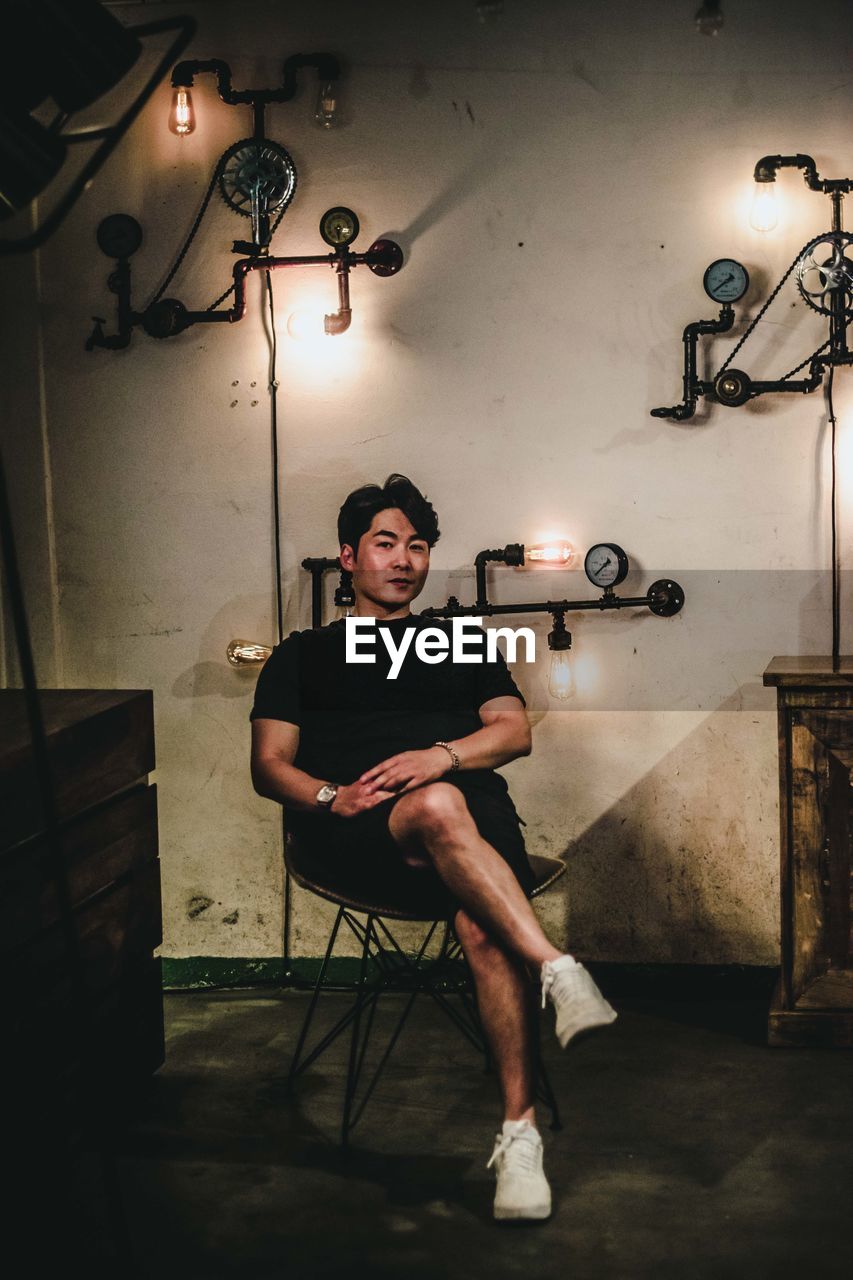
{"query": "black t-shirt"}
(351, 717)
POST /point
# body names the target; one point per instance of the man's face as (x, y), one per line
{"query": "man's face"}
(391, 562)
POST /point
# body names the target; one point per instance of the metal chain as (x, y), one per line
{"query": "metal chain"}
(760, 314)
(256, 258)
(803, 363)
(192, 235)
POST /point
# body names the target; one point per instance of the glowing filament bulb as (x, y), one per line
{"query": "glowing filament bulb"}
(561, 680)
(182, 115)
(553, 553)
(241, 653)
(764, 215)
(305, 325)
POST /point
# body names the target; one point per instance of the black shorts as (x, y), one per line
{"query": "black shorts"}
(363, 860)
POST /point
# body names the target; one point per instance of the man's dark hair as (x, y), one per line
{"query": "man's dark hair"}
(356, 515)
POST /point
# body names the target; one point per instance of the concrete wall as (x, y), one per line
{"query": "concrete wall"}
(559, 178)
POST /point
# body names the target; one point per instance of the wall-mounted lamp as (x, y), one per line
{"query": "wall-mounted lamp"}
(182, 116)
(256, 178)
(561, 680)
(606, 565)
(763, 215)
(823, 274)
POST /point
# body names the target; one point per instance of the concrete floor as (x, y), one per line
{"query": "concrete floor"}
(690, 1149)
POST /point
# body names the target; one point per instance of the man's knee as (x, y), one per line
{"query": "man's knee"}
(432, 809)
(473, 938)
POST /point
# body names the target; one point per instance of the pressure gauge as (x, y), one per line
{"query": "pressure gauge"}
(119, 235)
(726, 280)
(606, 564)
(338, 226)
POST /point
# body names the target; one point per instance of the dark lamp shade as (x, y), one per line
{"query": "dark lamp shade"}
(73, 51)
(29, 158)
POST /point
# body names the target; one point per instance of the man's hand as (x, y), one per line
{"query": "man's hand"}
(357, 798)
(407, 770)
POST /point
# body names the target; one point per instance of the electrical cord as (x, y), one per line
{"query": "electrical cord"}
(276, 497)
(193, 232)
(287, 905)
(836, 585)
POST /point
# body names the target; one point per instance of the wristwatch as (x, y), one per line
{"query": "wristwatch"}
(325, 797)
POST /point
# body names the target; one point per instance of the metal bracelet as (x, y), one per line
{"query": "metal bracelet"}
(453, 756)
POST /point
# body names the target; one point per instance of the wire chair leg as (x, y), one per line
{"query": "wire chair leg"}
(352, 1069)
(318, 987)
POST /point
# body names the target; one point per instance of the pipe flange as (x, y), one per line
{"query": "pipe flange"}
(165, 318)
(667, 598)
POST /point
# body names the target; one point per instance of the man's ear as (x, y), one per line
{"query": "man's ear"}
(346, 557)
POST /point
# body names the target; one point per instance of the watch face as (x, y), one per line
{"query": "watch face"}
(605, 564)
(326, 794)
(726, 280)
(119, 235)
(339, 226)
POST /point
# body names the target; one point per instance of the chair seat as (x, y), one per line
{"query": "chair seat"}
(414, 894)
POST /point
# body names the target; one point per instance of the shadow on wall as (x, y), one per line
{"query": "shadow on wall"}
(458, 190)
(672, 872)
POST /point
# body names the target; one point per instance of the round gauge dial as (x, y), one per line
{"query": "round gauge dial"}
(726, 280)
(339, 226)
(119, 235)
(606, 564)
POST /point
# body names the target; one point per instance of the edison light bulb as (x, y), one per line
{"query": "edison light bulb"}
(561, 680)
(326, 111)
(304, 325)
(241, 653)
(764, 215)
(182, 115)
(557, 553)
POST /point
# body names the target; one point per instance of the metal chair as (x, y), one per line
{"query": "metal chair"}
(385, 967)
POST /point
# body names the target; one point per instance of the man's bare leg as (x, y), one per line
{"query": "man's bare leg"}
(504, 999)
(437, 818)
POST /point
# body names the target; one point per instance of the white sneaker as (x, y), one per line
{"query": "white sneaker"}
(522, 1190)
(579, 1004)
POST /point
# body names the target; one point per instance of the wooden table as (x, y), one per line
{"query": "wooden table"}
(813, 1000)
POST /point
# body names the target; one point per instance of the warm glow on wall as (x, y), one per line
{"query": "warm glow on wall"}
(313, 355)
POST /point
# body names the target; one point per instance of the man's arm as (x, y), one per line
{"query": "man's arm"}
(274, 745)
(505, 735)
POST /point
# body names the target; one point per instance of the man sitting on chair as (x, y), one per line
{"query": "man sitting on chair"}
(402, 771)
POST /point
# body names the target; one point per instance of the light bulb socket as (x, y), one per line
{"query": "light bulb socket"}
(559, 639)
(344, 593)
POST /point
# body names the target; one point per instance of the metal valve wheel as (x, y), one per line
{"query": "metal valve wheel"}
(819, 277)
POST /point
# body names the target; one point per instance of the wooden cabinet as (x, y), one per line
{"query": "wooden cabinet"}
(101, 747)
(813, 1001)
